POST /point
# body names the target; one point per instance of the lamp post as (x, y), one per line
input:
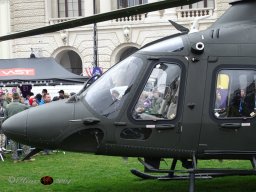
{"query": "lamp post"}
(95, 39)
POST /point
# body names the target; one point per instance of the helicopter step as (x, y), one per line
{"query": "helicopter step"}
(191, 172)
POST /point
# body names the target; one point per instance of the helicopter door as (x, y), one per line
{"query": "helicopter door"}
(229, 112)
(155, 113)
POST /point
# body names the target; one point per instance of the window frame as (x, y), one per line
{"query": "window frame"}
(79, 4)
(216, 72)
(140, 89)
(190, 6)
(126, 3)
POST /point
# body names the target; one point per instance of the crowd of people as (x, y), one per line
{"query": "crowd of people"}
(14, 102)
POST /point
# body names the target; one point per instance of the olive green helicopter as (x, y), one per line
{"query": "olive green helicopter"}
(187, 97)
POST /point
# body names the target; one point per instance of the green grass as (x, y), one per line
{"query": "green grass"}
(83, 172)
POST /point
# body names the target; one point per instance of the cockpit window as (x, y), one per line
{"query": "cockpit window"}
(169, 45)
(159, 98)
(108, 93)
(235, 94)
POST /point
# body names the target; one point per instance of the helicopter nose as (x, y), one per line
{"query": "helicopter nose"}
(15, 127)
(42, 126)
(47, 123)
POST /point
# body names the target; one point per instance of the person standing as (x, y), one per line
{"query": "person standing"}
(2, 136)
(61, 94)
(47, 98)
(44, 92)
(30, 94)
(2, 112)
(12, 109)
(8, 99)
(39, 99)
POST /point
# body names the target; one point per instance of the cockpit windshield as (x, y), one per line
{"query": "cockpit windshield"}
(108, 93)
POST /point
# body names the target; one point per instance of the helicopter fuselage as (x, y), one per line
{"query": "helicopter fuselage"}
(203, 84)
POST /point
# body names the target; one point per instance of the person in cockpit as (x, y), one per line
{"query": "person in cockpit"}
(241, 105)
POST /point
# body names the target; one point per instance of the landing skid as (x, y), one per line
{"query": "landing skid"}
(143, 175)
(191, 173)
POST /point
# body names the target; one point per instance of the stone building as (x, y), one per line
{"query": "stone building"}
(73, 48)
(5, 51)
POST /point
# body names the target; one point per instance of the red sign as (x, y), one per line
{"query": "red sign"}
(17, 72)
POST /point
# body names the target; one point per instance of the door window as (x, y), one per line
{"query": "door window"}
(159, 98)
(235, 94)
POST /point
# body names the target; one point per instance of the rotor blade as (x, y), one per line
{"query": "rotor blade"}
(165, 4)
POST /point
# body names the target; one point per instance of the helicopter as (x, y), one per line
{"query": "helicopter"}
(187, 97)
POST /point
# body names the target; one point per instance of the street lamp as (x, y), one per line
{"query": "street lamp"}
(95, 39)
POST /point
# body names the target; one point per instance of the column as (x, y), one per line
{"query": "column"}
(154, 14)
(48, 10)
(51, 9)
(113, 4)
(105, 6)
(88, 8)
(4, 29)
(171, 14)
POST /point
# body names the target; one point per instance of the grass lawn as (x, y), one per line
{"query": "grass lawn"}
(83, 172)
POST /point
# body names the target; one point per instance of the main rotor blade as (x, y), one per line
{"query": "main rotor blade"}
(165, 4)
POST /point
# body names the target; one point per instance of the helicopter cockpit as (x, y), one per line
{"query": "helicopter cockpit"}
(107, 95)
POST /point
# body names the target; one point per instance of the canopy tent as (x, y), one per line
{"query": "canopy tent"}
(36, 71)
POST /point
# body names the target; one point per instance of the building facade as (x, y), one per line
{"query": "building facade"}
(73, 48)
(5, 48)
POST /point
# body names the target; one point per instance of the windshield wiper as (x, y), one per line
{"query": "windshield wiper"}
(75, 97)
(87, 83)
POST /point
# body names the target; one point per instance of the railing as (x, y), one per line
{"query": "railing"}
(191, 13)
(132, 18)
(181, 13)
(53, 21)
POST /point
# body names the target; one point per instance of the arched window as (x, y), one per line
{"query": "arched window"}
(129, 3)
(70, 8)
